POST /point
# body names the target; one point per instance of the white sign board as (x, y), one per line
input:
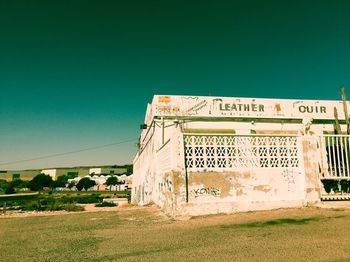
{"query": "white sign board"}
(202, 106)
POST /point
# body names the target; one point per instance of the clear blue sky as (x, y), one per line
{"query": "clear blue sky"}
(78, 74)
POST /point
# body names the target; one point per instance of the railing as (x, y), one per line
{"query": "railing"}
(337, 149)
(335, 154)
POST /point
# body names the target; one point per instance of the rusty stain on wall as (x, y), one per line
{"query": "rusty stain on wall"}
(224, 181)
(311, 169)
(309, 190)
(211, 179)
(239, 192)
(246, 175)
(178, 180)
(263, 188)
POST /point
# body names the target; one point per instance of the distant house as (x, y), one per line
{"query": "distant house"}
(126, 179)
(71, 172)
(122, 187)
(56, 172)
(18, 174)
(107, 170)
(50, 172)
(99, 188)
(100, 180)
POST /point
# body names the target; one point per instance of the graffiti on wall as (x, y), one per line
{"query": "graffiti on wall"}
(147, 186)
(166, 185)
(205, 191)
(166, 190)
(195, 105)
(138, 194)
(289, 177)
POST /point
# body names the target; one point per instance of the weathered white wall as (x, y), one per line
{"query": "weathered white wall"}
(150, 182)
(221, 192)
(311, 155)
(160, 175)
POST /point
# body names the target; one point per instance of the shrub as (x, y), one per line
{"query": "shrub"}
(61, 181)
(345, 186)
(88, 199)
(39, 182)
(85, 183)
(31, 206)
(3, 184)
(19, 183)
(112, 181)
(73, 208)
(330, 184)
(10, 190)
(106, 204)
(52, 204)
(72, 184)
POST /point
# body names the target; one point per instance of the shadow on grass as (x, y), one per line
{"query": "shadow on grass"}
(283, 221)
(140, 253)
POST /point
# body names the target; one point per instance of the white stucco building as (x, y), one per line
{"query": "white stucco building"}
(204, 155)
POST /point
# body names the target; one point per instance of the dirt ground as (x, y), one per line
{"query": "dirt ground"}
(88, 208)
(146, 234)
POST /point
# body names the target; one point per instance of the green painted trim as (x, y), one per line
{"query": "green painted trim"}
(186, 174)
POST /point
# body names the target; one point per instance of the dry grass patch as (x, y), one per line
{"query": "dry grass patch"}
(146, 234)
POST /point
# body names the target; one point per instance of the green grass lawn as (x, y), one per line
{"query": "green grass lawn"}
(145, 234)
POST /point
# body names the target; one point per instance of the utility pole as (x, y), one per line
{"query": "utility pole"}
(345, 108)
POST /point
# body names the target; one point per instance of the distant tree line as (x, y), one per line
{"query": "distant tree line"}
(9, 187)
(42, 181)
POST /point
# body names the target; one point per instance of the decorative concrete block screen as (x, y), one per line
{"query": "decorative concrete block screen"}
(228, 152)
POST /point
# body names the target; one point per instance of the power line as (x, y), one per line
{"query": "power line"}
(68, 153)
